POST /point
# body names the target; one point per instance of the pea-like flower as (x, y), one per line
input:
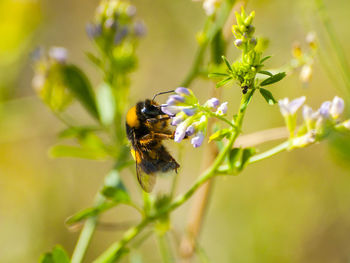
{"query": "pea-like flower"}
(290, 107)
(337, 107)
(317, 123)
(189, 116)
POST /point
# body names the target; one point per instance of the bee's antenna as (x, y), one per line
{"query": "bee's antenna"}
(161, 93)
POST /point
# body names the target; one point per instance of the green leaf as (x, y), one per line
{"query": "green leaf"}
(267, 96)
(246, 154)
(223, 82)
(58, 255)
(227, 63)
(264, 59)
(89, 212)
(79, 85)
(58, 151)
(95, 60)
(77, 131)
(273, 79)
(234, 159)
(46, 258)
(114, 189)
(106, 104)
(266, 73)
(219, 135)
(217, 75)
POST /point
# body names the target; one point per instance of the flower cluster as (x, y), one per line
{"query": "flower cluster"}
(189, 116)
(305, 59)
(116, 31)
(48, 80)
(317, 124)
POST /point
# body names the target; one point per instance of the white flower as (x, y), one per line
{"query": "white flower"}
(59, 54)
(222, 108)
(290, 108)
(337, 107)
(209, 6)
(306, 73)
(212, 103)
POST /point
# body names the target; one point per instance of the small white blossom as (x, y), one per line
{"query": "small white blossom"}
(212, 103)
(290, 108)
(306, 73)
(346, 124)
(209, 6)
(59, 54)
(337, 107)
(222, 108)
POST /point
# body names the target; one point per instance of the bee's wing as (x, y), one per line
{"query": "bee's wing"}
(147, 181)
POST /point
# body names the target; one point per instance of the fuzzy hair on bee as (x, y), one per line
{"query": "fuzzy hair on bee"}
(146, 127)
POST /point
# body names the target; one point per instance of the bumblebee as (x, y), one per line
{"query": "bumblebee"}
(147, 126)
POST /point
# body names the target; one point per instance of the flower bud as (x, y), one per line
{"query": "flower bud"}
(59, 54)
(337, 107)
(197, 140)
(212, 103)
(222, 109)
(325, 109)
(183, 91)
(306, 73)
(290, 108)
(238, 42)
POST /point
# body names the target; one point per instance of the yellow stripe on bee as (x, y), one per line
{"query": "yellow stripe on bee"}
(131, 118)
(136, 155)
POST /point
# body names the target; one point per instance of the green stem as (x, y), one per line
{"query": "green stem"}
(84, 240)
(279, 148)
(86, 235)
(164, 248)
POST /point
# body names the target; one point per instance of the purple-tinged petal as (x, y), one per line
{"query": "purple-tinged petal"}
(177, 119)
(171, 102)
(177, 98)
(222, 108)
(284, 106)
(295, 104)
(189, 111)
(325, 109)
(140, 29)
(190, 130)
(59, 54)
(213, 103)
(170, 110)
(197, 140)
(183, 91)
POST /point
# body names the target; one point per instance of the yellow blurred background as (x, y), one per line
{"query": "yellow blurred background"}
(294, 207)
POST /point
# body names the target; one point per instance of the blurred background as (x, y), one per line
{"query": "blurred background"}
(293, 207)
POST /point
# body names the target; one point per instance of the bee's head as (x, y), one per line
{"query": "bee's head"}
(151, 109)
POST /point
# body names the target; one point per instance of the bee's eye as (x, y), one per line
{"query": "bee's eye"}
(150, 110)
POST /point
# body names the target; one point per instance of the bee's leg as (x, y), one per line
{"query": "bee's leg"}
(158, 119)
(163, 136)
